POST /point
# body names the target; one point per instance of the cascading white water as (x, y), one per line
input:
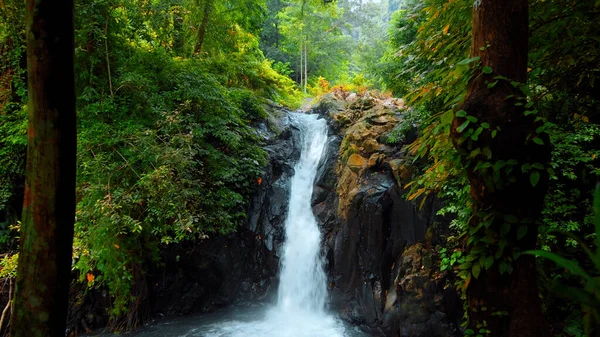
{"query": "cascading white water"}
(300, 311)
(302, 282)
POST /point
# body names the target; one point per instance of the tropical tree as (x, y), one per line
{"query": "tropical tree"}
(44, 269)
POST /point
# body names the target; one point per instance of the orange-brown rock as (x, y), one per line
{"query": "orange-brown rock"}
(357, 163)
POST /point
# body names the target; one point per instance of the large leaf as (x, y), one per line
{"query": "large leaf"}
(570, 265)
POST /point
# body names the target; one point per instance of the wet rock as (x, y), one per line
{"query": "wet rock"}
(375, 160)
(383, 277)
(357, 163)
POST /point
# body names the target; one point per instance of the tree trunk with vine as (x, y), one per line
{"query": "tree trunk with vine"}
(505, 154)
(44, 269)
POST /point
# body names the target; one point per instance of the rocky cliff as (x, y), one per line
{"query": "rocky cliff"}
(379, 246)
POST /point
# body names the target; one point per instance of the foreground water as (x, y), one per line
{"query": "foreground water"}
(300, 310)
(251, 321)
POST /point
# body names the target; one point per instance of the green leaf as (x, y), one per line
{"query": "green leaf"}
(467, 61)
(476, 270)
(472, 119)
(494, 133)
(461, 113)
(505, 228)
(538, 141)
(485, 125)
(499, 165)
(521, 232)
(475, 152)
(530, 112)
(489, 261)
(493, 84)
(540, 129)
(570, 265)
(502, 267)
(487, 70)
(510, 218)
(538, 166)
(462, 128)
(534, 178)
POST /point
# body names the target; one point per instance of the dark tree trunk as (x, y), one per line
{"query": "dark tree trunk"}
(505, 303)
(203, 25)
(43, 274)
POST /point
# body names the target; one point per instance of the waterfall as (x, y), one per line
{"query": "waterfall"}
(300, 309)
(302, 282)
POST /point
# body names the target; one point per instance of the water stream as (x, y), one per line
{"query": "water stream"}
(300, 310)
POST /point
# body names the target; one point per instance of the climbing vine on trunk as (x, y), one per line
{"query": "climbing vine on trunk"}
(505, 151)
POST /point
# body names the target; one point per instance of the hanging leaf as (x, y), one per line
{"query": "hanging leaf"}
(476, 270)
(489, 261)
(538, 141)
(502, 267)
(487, 70)
(505, 228)
(534, 178)
(521, 232)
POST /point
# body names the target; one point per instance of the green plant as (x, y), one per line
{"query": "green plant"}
(588, 293)
(8, 265)
(450, 261)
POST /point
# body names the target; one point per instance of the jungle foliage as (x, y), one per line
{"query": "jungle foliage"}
(168, 92)
(166, 148)
(428, 62)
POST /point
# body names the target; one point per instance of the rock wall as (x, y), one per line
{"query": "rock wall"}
(379, 246)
